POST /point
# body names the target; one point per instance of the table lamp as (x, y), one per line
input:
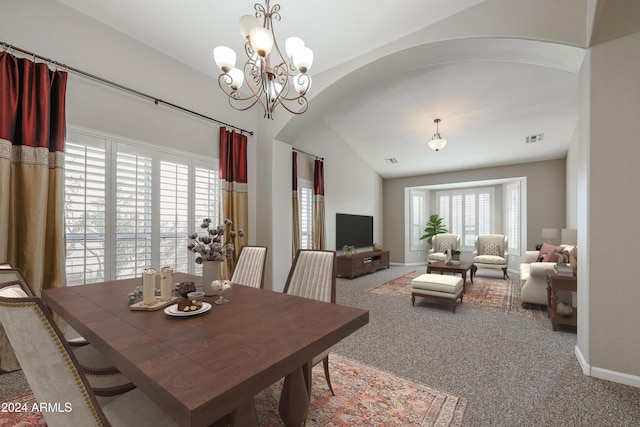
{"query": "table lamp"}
(549, 234)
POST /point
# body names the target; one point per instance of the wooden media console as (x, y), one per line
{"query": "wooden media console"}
(362, 263)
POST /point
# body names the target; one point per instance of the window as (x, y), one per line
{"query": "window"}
(418, 222)
(512, 204)
(305, 204)
(467, 213)
(128, 206)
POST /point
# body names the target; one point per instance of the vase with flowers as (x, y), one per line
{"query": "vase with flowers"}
(212, 246)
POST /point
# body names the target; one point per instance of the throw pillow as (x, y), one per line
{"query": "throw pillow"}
(491, 249)
(547, 253)
(444, 246)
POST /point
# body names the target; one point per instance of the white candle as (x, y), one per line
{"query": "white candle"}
(166, 280)
(148, 285)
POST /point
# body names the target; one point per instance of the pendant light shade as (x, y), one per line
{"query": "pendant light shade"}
(437, 142)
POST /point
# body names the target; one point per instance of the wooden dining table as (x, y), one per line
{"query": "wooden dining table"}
(201, 368)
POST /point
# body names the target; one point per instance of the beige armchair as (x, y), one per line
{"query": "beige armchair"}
(442, 242)
(491, 252)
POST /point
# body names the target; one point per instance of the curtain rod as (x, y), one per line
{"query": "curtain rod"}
(308, 154)
(7, 47)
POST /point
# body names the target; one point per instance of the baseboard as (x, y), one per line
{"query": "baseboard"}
(409, 264)
(586, 368)
(606, 374)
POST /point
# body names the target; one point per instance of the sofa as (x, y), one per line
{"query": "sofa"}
(533, 275)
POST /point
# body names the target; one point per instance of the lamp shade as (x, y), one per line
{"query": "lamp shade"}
(237, 78)
(549, 234)
(274, 90)
(437, 143)
(246, 24)
(261, 40)
(225, 58)
(302, 59)
(292, 44)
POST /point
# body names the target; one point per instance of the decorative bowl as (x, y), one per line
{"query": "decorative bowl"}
(196, 295)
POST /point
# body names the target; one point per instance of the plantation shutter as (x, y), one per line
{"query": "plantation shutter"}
(132, 213)
(174, 222)
(85, 207)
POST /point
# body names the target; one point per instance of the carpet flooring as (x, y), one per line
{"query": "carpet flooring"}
(487, 294)
(365, 395)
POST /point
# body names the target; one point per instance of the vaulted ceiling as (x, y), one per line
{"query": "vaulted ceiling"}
(490, 91)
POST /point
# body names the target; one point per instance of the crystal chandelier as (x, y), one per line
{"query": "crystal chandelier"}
(271, 80)
(436, 143)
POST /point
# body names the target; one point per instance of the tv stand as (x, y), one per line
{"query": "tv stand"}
(362, 263)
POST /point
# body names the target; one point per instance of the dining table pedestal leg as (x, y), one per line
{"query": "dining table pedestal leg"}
(294, 400)
(245, 415)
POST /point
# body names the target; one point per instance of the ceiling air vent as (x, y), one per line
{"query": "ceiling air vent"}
(391, 161)
(533, 138)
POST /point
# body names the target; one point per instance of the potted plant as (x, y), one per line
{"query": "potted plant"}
(455, 254)
(434, 226)
(348, 250)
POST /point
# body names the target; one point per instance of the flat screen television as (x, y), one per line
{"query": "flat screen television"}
(355, 230)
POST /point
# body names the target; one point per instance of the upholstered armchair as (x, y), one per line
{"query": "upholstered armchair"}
(442, 242)
(492, 251)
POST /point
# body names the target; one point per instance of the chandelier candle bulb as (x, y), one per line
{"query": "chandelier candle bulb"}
(261, 41)
(225, 58)
(166, 282)
(148, 285)
(246, 24)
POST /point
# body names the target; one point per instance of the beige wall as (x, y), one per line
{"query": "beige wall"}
(545, 190)
(614, 176)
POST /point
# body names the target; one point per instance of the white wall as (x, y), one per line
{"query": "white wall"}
(351, 185)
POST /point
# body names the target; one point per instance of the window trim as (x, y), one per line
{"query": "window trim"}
(417, 245)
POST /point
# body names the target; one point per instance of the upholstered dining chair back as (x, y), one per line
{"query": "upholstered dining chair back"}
(14, 275)
(313, 275)
(47, 361)
(249, 269)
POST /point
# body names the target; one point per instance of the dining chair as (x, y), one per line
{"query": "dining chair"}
(54, 375)
(249, 269)
(313, 275)
(100, 372)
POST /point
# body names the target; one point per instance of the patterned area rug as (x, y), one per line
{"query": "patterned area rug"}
(495, 295)
(364, 396)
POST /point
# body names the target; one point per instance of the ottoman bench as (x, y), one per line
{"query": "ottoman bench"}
(444, 288)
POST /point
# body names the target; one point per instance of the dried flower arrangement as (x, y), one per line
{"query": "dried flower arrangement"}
(216, 244)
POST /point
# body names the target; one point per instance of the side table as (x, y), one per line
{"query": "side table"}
(557, 283)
